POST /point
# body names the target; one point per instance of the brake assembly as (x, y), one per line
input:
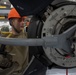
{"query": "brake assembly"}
(58, 23)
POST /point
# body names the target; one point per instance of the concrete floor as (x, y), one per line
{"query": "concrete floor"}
(55, 71)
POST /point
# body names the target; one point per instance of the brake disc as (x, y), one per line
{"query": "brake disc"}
(59, 21)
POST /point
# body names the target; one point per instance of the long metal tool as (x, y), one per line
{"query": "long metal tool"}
(54, 41)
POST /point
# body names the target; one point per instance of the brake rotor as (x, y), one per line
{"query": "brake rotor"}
(59, 21)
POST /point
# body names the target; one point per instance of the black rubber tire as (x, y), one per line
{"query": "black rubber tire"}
(34, 31)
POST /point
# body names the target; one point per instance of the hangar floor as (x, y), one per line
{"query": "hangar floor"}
(56, 71)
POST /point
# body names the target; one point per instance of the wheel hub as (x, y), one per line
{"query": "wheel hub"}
(59, 21)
